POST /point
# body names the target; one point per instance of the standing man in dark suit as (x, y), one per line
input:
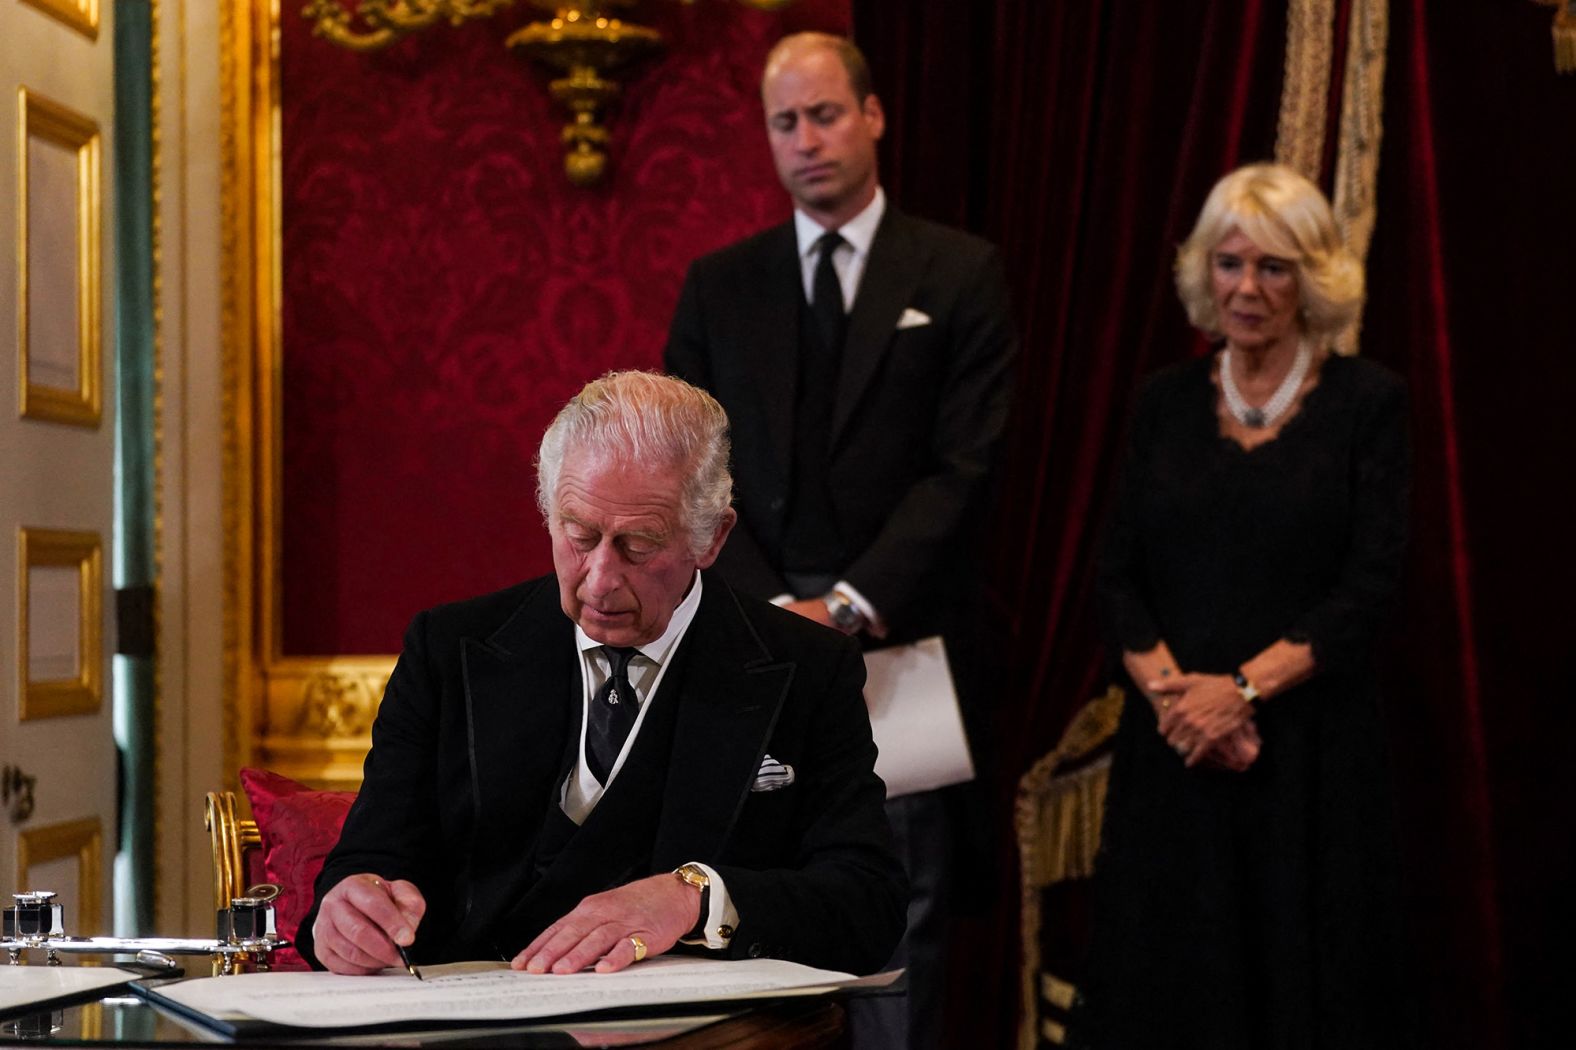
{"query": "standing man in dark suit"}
(864, 358)
(589, 768)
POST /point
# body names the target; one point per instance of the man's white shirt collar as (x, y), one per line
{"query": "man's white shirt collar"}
(858, 231)
(849, 260)
(657, 651)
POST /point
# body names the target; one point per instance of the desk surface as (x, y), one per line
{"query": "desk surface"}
(125, 1022)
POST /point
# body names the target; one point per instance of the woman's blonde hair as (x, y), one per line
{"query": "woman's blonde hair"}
(1284, 214)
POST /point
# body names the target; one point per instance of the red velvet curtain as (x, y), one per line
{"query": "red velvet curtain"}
(1470, 297)
(1082, 137)
(446, 289)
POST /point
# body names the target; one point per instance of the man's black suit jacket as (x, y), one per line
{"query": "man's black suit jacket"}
(918, 418)
(476, 733)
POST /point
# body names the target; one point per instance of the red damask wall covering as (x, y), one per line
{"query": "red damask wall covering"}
(445, 289)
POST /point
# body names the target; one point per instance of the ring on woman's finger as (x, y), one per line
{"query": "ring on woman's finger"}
(640, 947)
(1182, 749)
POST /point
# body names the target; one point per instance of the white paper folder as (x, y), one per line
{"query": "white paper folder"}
(915, 719)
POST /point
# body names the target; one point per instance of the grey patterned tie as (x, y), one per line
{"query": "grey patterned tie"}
(612, 714)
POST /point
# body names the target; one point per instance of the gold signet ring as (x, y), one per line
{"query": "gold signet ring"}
(640, 947)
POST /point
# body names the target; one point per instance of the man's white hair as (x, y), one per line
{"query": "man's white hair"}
(656, 422)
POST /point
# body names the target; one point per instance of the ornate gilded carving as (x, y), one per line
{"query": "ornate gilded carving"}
(314, 721)
(335, 704)
(378, 23)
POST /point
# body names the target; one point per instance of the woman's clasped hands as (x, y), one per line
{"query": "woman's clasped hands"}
(1204, 718)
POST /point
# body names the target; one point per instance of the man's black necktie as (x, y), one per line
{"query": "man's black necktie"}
(810, 538)
(612, 715)
(828, 302)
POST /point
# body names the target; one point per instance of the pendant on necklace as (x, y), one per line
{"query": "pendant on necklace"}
(1253, 418)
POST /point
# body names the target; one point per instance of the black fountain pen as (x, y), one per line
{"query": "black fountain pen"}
(404, 957)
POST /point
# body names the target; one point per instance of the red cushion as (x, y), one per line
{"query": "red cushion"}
(299, 826)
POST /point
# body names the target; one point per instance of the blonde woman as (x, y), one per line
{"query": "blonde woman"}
(1255, 547)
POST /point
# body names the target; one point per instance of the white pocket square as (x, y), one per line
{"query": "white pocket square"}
(774, 775)
(912, 318)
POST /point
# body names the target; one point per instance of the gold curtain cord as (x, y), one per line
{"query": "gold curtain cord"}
(1305, 87)
(1357, 162)
(1299, 142)
(1565, 38)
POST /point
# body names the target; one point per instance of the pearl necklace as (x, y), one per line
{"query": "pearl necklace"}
(1279, 402)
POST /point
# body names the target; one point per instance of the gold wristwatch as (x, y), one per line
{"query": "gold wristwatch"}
(695, 875)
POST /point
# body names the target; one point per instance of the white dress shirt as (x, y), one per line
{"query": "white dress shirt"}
(849, 261)
(647, 668)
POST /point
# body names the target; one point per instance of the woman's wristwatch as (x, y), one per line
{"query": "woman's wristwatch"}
(1247, 689)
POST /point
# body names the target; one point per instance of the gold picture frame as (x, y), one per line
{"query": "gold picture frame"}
(81, 15)
(81, 692)
(82, 839)
(307, 717)
(43, 121)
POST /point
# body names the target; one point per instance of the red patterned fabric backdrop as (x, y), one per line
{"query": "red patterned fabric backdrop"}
(445, 289)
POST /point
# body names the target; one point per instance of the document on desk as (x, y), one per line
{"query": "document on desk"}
(33, 987)
(481, 992)
(915, 719)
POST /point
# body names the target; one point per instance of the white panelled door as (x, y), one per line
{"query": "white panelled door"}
(57, 447)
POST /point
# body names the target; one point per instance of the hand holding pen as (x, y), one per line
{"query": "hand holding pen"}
(366, 924)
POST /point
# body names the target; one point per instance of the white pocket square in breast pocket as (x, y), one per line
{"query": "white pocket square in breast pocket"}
(912, 318)
(774, 775)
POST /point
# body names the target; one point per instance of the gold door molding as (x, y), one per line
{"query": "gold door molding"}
(79, 690)
(43, 124)
(81, 15)
(82, 840)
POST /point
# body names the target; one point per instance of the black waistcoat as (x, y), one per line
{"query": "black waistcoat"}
(812, 542)
(559, 862)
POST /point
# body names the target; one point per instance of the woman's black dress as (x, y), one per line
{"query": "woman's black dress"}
(1254, 909)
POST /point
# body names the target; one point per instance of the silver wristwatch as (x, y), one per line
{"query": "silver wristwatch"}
(844, 613)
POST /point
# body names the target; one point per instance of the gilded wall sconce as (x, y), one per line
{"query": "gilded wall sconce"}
(582, 41)
(586, 47)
